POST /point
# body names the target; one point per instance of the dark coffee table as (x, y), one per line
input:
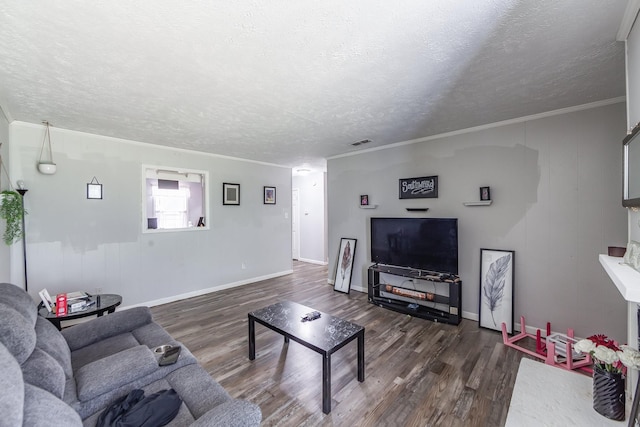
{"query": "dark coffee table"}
(325, 335)
(108, 304)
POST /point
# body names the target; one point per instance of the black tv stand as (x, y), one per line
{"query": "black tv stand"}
(426, 294)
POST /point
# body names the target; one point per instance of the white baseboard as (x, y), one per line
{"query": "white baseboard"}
(465, 314)
(471, 316)
(206, 291)
(312, 261)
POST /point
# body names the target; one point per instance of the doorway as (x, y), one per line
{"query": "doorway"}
(295, 223)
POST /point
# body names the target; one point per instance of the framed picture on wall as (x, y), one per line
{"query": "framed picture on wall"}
(94, 189)
(230, 194)
(496, 289)
(485, 193)
(425, 187)
(344, 265)
(269, 195)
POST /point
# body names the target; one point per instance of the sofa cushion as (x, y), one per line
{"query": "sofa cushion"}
(19, 300)
(114, 371)
(42, 370)
(136, 409)
(42, 409)
(12, 387)
(16, 333)
(50, 340)
(184, 417)
(203, 399)
(88, 407)
(104, 327)
(152, 335)
(198, 390)
(101, 349)
(234, 413)
(70, 392)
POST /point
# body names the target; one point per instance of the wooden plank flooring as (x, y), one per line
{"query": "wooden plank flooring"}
(418, 372)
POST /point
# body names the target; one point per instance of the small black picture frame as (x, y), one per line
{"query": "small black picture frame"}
(94, 191)
(230, 194)
(364, 200)
(269, 195)
(485, 193)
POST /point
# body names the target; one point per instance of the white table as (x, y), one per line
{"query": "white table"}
(544, 395)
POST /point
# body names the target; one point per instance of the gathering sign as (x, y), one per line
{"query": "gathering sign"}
(425, 187)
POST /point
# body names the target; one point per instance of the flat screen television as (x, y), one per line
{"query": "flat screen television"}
(421, 243)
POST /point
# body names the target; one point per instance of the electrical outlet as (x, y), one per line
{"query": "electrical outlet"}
(244, 266)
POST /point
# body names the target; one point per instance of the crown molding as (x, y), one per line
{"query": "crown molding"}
(149, 145)
(6, 114)
(488, 126)
(628, 19)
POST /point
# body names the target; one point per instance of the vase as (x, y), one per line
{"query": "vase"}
(608, 393)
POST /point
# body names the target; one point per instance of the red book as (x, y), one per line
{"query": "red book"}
(61, 305)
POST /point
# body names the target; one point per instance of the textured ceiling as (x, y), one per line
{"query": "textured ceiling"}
(292, 82)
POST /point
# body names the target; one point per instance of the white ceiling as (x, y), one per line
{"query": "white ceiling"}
(292, 82)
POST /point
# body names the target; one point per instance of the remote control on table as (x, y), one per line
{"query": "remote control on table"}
(311, 316)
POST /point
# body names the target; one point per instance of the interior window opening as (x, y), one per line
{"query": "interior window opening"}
(175, 199)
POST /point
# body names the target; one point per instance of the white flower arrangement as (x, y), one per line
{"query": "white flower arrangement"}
(608, 354)
(630, 357)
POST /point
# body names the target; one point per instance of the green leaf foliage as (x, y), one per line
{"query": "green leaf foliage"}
(11, 211)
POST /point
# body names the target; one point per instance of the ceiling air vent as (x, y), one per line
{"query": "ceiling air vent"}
(364, 141)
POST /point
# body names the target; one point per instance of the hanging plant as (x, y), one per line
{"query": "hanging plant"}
(12, 212)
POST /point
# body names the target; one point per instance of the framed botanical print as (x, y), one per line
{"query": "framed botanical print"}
(496, 289)
(344, 265)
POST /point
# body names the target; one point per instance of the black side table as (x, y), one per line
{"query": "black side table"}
(108, 303)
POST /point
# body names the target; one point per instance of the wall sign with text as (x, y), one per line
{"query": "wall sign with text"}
(425, 187)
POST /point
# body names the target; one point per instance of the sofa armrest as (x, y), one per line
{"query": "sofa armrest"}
(233, 413)
(84, 334)
(114, 371)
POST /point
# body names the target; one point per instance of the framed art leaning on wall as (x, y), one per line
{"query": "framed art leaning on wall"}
(496, 289)
(344, 265)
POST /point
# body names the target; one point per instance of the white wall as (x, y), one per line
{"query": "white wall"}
(633, 218)
(74, 243)
(5, 254)
(633, 107)
(555, 182)
(313, 244)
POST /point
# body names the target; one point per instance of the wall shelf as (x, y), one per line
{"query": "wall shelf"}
(368, 206)
(417, 209)
(479, 203)
(625, 277)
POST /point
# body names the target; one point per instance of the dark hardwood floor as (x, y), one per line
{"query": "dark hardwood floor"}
(418, 372)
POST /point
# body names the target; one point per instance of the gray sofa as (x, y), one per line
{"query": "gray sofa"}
(50, 377)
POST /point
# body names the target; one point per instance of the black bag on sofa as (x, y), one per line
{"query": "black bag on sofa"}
(135, 410)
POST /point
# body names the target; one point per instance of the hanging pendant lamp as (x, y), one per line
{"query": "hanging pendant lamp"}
(47, 167)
